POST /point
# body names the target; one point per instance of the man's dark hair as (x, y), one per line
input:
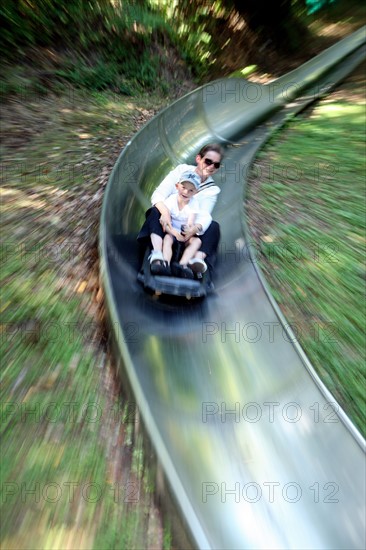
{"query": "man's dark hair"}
(211, 147)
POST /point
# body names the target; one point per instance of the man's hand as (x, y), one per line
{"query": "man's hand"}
(180, 237)
(165, 221)
(176, 234)
(190, 231)
(165, 218)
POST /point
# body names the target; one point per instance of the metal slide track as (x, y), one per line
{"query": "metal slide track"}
(254, 449)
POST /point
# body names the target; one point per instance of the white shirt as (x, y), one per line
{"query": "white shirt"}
(180, 217)
(206, 196)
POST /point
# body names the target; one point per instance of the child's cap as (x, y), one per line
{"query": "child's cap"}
(191, 177)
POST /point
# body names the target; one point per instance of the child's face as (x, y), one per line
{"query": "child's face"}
(186, 190)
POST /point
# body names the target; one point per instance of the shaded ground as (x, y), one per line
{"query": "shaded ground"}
(73, 470)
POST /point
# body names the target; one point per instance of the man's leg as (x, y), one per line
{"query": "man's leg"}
(152, 227)
(210, 243)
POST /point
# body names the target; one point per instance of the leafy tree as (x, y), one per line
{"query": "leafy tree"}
(276, 21)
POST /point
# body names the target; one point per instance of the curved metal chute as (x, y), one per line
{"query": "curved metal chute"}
(256, 451)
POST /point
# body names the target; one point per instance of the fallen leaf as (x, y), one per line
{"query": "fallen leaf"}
(267, 238)
(82, 286)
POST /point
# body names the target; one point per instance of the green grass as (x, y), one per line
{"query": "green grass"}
(73, 473)
(307, 212)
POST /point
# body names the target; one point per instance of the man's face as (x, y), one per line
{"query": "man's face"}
(208, 164)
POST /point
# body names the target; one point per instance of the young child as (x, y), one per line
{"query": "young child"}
(185, 216)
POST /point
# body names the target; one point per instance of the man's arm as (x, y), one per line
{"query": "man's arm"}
(203, 220)
(165, 218)
(207, 198)
(199, 222)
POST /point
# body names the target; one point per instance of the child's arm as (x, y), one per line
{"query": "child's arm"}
(193, 226)
(191, 218)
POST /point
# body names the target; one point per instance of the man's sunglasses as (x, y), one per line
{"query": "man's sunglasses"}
(210, 162)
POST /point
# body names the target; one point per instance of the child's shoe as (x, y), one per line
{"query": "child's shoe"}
(197, 265)
(158, 266)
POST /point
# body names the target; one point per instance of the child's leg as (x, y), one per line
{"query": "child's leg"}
(156, 241)
(157, 263)
(168, 247)
(194, 244)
